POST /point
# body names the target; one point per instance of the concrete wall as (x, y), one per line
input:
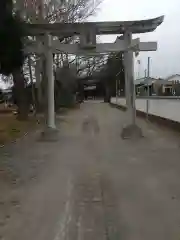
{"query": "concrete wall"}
(166, 108)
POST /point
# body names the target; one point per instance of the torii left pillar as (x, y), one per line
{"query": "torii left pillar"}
(50, 132)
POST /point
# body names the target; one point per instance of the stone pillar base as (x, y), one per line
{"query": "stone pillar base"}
(131, 132)
(49, 135)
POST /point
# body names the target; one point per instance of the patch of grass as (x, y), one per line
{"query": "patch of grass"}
(11, 128)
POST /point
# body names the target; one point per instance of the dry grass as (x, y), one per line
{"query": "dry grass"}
(4, 109)
(11, 128)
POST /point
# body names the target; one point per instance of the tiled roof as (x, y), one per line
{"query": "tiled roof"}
(146, 81)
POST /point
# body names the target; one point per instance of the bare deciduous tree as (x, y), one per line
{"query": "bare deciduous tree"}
(49, 11)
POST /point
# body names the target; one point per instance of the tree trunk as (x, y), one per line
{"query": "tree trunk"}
(107, 92)
(21, 95)
(33, 94)
(39, 102)
(44, 85)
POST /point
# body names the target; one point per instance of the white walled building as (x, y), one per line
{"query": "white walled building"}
(171, 83)
(175, 78)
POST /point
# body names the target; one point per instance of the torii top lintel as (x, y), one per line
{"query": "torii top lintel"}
(56, 29)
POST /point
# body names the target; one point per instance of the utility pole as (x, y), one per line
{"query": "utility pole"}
(145, 73)
(148, 67)
(148, 89)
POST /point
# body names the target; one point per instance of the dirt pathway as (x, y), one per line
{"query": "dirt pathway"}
(93, 185)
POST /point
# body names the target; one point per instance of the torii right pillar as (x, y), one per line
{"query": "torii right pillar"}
(131, 130)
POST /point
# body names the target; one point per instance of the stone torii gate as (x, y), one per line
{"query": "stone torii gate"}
(87, 32)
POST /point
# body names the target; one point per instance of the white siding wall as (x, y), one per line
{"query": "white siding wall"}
(165, 108)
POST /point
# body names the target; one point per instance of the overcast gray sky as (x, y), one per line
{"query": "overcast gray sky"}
(166, 60)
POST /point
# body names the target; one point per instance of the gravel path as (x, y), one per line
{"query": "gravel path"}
(91, 184)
